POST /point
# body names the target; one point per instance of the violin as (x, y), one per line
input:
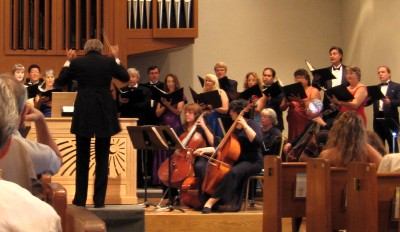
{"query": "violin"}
(225, 155)
(182, 160)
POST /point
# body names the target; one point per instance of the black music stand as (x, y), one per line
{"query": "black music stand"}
(173, 143)
(145, 138)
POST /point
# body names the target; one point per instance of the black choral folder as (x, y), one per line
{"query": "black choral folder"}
(340, 92)
(255, 90)
(324, 74)
(295, 89)
(208, 98)
(174, 97)
(375, 93)
(273, 90)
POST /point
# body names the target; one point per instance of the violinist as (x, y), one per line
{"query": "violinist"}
(228, 194)
(314, 108)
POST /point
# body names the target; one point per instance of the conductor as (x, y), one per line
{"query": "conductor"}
(95, 113)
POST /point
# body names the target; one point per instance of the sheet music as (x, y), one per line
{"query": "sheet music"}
(310, 67)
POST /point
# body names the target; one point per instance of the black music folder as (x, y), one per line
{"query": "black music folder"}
(208, 98)
(252, 91)
(324, 74)
(133, 94)
(201, 80)
(32, 90)
(295, 89)
(375, 93)
(273, 90)
(174, 97)
(48, 93)
(340, 92)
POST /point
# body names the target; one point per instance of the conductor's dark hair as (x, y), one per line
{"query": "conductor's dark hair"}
(340, 50)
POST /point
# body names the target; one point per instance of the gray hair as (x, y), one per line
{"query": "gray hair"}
(271, 114)
(133, 71)
(9, 118)
(19, 91)
(49, 72)
(93, 45)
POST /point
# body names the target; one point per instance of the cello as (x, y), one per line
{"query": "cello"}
(307, 145)
(182, 160)
(224, 157)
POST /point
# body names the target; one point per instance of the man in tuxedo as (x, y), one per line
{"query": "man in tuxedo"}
(137, 106)
(228, 85)
(153, 73)
(338, 69)
(386, 114)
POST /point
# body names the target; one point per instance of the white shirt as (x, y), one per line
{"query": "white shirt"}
(338, 75)
(383, 90)
(21, 211)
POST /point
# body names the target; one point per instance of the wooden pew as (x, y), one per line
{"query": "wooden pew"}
(278, 194)
(361, 197)
(387, 183)
(325, 211)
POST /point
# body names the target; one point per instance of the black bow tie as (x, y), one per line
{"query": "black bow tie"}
(266, 86)
(338, 68)
(382, 84)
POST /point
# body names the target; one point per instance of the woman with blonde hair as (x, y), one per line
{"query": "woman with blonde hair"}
(211, 84)
(348, 142)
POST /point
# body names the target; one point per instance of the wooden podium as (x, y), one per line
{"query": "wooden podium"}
(121, 187)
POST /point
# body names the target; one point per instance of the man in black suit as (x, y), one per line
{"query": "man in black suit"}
(139, 104)
(386, 114)
(228, 85)
(154, 76)
(338, 69)
(153, 73)
(95, 114)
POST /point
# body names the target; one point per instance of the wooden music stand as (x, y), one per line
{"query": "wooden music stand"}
(60, 99)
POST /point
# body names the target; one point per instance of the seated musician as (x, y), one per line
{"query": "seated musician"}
(348, 142)
(227, 195)
(313, 112)
(271, 133)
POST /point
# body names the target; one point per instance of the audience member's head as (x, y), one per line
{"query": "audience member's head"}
(19, 91)
(349, 137)
(376, 142)
(9, 118)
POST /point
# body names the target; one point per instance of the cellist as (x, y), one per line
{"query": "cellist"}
(313, 111)
(227, 196)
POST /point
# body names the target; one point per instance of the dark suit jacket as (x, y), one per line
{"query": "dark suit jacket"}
(229, 86)
(136, 108)
(389, 111)
(151, 118)
(95, 112)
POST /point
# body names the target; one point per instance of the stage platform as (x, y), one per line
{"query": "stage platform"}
(137, 218)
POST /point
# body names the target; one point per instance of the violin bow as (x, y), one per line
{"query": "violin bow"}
(105, 38)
